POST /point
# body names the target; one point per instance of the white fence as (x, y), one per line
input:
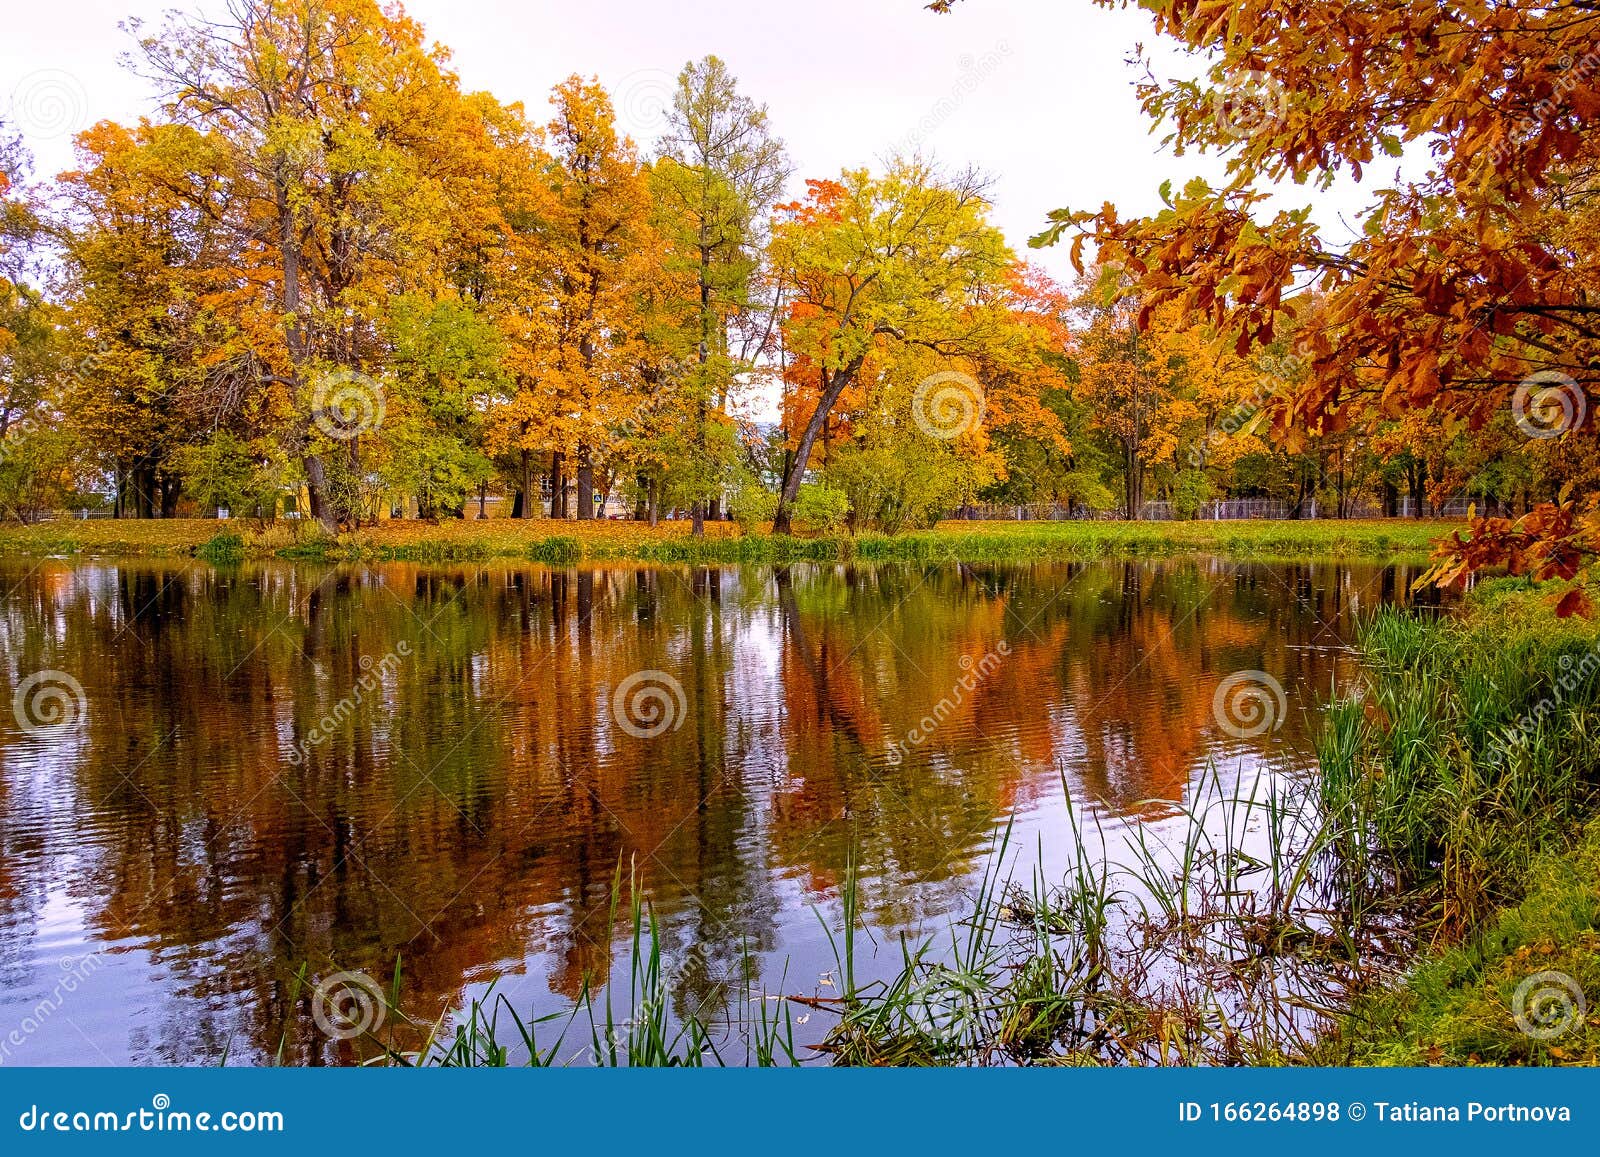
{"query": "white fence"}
(1216, 510)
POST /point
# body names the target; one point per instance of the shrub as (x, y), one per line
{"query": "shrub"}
(821, 507)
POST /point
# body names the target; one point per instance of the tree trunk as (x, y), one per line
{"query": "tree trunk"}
(585, 497)
(558, 486)
(833, 386)
(170, 490)
(530, 488)
(641, 501)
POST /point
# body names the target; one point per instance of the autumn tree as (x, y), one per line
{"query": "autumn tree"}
(27, 325)
(719, 173)
(872, 265)
(604, 254)
(150, 265)
(344, 136)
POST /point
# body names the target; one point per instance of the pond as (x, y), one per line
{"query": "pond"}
(219, 779)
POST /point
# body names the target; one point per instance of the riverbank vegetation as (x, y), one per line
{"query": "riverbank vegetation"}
(673, 542)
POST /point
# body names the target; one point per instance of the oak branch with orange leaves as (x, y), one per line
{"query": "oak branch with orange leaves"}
(1471, 291)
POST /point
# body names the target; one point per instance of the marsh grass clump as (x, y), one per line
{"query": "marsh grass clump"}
(559, 550)
(1475, 748)
(226, 546)
(1459, 1006)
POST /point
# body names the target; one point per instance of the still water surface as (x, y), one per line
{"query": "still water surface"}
(277, 767)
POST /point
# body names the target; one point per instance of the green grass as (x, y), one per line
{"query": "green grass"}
(566, 543)
(1475, 749)
(1457, 1006)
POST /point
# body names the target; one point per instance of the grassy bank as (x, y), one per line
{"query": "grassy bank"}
(570, 542)
(1471, 779)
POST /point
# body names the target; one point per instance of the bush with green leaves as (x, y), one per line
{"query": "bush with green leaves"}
(752, 504)
(821, 507)
(1191, 490)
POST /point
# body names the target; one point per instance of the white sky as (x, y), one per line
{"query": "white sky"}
(1043, 96)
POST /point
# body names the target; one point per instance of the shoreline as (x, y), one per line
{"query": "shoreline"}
(568, 543)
